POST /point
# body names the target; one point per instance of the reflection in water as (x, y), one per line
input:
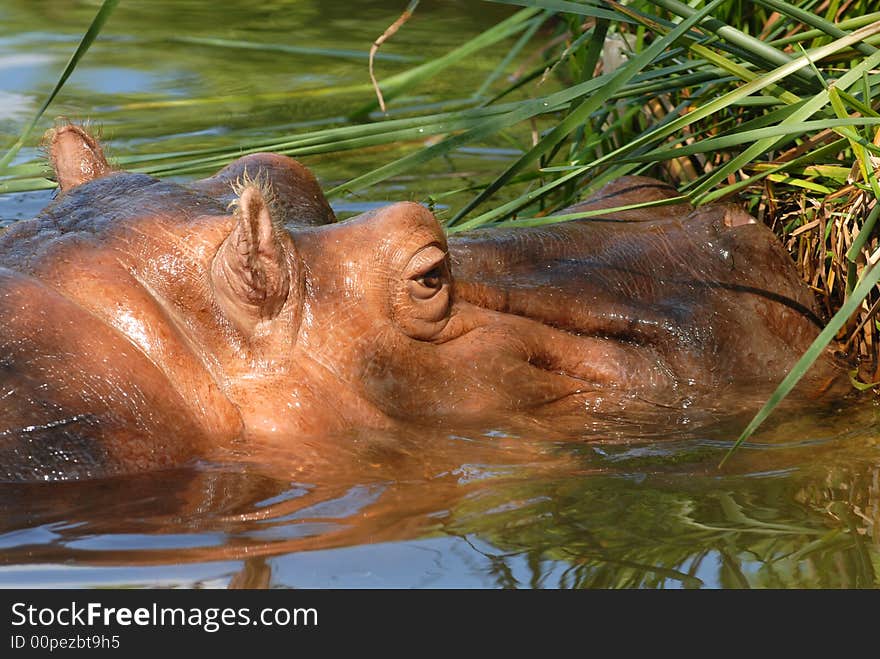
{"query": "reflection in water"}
(660, 534)
(477, 511)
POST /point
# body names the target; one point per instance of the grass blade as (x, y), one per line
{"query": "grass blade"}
(757, 49)
(577, 117)
(703, 194)
(748, 136)
(294, 50)
(869, 280)
(396, 84)
(817, 22)
(585, 8)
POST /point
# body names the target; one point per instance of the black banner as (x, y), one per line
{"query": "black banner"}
(53, 621)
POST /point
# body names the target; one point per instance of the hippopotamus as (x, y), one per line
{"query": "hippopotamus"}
(145, 322)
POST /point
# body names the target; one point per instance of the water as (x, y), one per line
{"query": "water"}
(797, 507)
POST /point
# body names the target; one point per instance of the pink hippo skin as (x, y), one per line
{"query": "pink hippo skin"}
(145, 323)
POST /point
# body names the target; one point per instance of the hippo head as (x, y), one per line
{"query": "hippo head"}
(270, 318)
(144, 322)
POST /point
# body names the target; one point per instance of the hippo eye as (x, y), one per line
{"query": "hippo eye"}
(428, 273)
(432, 279)
(422, 304)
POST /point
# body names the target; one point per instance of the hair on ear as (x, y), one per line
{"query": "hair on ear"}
(262, 183)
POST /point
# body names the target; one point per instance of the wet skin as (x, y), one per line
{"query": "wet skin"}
(146, 323)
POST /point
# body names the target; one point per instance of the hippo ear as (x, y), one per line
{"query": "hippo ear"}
(76, 156)
(250, 273)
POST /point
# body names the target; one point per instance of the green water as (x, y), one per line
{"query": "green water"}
(798, 507)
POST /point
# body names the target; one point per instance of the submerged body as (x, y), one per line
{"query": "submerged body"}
(144, 323)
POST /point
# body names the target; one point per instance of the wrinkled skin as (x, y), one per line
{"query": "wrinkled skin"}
(144, 323)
